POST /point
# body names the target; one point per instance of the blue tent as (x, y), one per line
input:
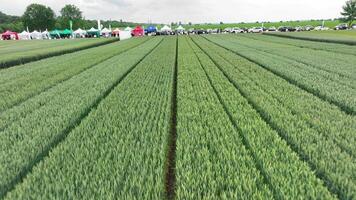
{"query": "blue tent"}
(151, 29)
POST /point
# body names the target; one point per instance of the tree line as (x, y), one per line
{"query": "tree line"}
(40, 17)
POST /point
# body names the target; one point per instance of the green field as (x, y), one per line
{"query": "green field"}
(342, 37)
(23, 51)
(238, 116)
(328, 23)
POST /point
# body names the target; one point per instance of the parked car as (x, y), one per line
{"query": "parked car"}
(255, 30)
(237, 30)
(353, 26)
(341, 27)
(286, 29)
(271, 29)
(299, 28)
(308, 28)
(321, 28)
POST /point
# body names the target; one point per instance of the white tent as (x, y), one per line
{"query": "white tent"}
(125, 35)
(79, 33)
(106, 32)
(166, 28)
(45, 35)
(128, 29)
(24, 35)
(36, 35)
(180, 28)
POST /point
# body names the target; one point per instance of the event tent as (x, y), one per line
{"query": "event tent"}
(128, 29)
(36, 35)
(106, 32)
(9, 35)
(24, 35)
(125, 35)
(180, 28)
(151, 29)
(93, 32)
(55, 34)
(45, 35)
(138, 31)
(166, 28)
(116, 32)
(79, 33)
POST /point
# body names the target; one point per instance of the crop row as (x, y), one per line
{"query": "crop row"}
(118, 151)
(338, 94)
(322, 46)
(289, 176)
(323, 66)
(320, 133)
(211, 159)
(20, 83)
(315, 37)
(29, 51)
(46, 119)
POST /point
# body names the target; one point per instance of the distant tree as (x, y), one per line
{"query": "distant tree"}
(190, 23)
(38, 17)
(221, 22)
(349, 12)
(70, 13)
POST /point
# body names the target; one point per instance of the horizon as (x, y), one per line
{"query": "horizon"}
(197, 12)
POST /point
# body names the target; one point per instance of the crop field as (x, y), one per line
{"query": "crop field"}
(182, 117)
(20, 52)
(342, 37)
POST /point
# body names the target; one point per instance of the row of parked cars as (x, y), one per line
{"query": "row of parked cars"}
(285, 29)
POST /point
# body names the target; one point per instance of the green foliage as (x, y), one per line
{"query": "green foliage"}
(38, 17)
(349, 12)
(70, 13)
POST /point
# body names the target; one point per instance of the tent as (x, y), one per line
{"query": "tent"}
(24, 35)
(45, 35)
(79, 33)
(115, 32)
(166, 28)
(138, 31)
(66, 33)
(106, 32)
(93, 32)
(125, 35)
(55, 34)
(180, 28)
(151, 29)
(36, 35)
(128, 29)
(9, 35)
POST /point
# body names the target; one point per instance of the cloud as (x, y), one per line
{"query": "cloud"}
(196, 11)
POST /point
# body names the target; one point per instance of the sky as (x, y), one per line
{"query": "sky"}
(195, 11)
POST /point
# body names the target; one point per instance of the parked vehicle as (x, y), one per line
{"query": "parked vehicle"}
(299, 28)
(271, 29)
(255, 30)
(321, 28)
(237, 30)
(286, 29)
(341, 27)
(308, 28)
(353, 26)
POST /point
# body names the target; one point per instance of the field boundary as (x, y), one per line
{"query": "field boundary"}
(344, 108)
(63, 135)
(281, 133)
(245, 142)
(28, 59)
(345, 42)
(172, 140)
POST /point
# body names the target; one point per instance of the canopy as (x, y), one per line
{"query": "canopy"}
(24, 35)
(166, 28)
(128, 29)
(106, 31)
(55, 33)
(151, 29)
(125, 35)
(116, 31)
(93, 32)
(66, 32)
(138, 31)
(36, 35)
(80, 32)
(9, 35)
(45, 34)
(180, 28)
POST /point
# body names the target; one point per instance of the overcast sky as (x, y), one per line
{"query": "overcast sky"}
(196, 11)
